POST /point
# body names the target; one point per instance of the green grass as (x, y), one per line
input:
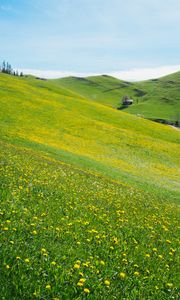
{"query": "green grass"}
(92, 136)
(61, 225)
(155, 99)
(88, 198)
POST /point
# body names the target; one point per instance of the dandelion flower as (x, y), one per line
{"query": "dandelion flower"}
(168, 241)
(87, 291)
(43, 250)
(169, 285)
(107, 282)
(7, 267)
(82, 280)
(48, 286)
(80, 283)
(122, 275)
(76, 266)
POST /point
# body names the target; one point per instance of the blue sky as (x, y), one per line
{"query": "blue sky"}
(90, 36)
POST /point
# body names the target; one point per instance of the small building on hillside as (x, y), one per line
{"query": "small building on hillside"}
(127, 101)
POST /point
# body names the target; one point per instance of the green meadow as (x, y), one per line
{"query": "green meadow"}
(89, 193)
(153, 99)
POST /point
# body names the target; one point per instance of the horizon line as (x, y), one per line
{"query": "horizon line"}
(134, 74)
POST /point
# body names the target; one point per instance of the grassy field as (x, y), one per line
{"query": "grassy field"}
(155, 99)
(67, 234)
(89, 198)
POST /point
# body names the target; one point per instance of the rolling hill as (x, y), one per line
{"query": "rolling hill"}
(89, 195)
(153, 99)
(93, 136)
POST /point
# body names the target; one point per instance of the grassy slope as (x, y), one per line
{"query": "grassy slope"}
(153, 98)
(68, 230)
(90, 135)
(61, 225)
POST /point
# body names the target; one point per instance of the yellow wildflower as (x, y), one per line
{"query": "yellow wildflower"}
(87, 291)
(43, 250)
(82, 280)
(169, 285)
(45, 254)
(168, 241)
(80, 283)
(122, 275)
(107, 282)
(48, 286)
(76, 266)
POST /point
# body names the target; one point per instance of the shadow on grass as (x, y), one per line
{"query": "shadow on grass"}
(122, 107)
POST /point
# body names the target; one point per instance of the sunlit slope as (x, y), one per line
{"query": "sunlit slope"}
(89, 135)
(156, 99)
(66, 234)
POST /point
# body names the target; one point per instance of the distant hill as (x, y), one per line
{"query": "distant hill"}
(154, 99)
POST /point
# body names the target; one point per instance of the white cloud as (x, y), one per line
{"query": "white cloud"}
(54, 74)
(130, 75)
(145, 73)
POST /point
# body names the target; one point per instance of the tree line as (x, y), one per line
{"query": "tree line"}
(7, 69)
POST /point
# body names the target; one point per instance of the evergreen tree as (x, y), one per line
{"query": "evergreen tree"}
(6, 68)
